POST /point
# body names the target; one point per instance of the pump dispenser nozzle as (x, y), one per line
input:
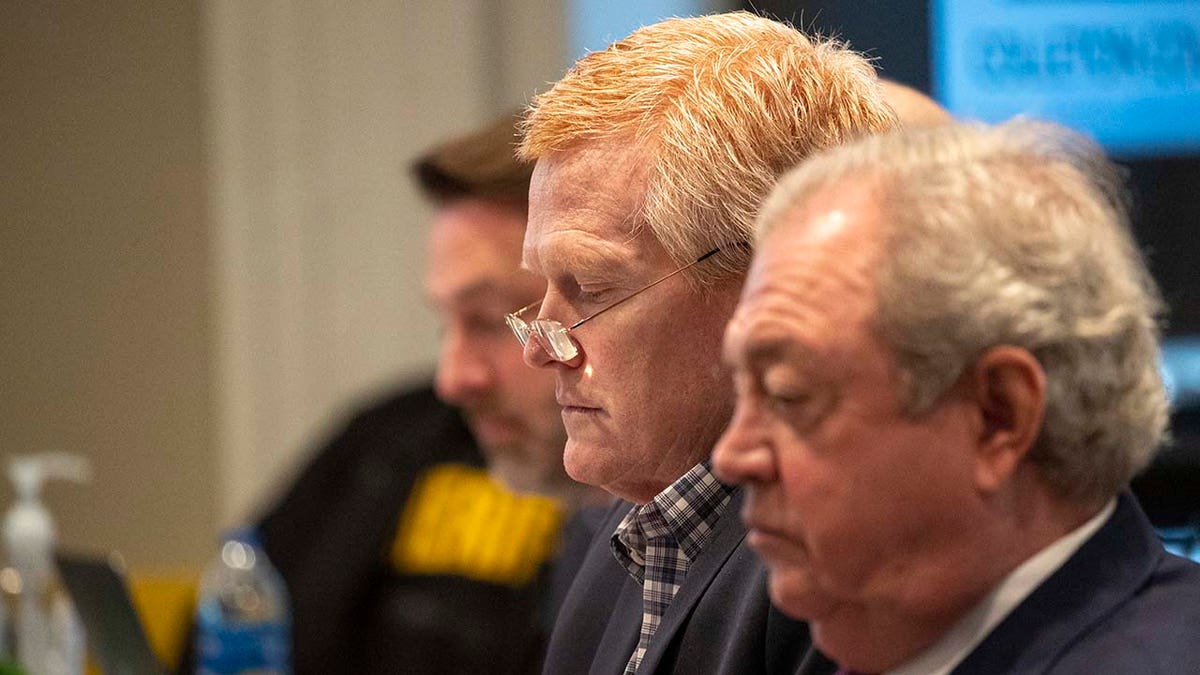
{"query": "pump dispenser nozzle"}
(29, 472)
(29, 537)
(28, 529)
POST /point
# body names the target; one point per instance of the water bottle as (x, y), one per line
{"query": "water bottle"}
(243, 618)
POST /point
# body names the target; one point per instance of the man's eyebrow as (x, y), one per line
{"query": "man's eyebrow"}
(758, 351)
(580, 260)
(483, 287)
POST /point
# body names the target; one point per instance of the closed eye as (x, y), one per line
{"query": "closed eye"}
(484, 325)
(784, 387)
(789, 400)
(796, 399)
(594, 295)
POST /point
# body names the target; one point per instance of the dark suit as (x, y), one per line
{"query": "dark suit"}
(721, 621)
(1120, 604)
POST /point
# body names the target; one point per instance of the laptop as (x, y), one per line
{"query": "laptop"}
(115, 637)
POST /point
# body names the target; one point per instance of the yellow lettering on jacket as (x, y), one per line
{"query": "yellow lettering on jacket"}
(460, 522)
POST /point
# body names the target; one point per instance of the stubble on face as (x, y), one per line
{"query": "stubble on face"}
(472, 280)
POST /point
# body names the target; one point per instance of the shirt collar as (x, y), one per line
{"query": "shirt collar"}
(956, 644)
(685, 514)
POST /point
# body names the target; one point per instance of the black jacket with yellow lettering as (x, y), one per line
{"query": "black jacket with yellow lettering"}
(401, 556)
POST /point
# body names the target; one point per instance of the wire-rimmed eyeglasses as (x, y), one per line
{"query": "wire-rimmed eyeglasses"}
(556, 339)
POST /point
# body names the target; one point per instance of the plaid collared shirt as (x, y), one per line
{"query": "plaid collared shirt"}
(657, 542)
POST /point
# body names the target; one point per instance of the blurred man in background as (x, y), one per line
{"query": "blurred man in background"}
(913, 108)
(402, 545)
(652, 157)
(947, 366)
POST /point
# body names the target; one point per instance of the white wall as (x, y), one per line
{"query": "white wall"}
(314, 111)
(105, 312)
(211, 248)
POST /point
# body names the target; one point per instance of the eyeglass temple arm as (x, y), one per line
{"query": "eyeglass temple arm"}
(526, 308)
(652, 284)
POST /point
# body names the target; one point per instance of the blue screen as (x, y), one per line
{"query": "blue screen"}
(594, 24)
(1125, 72)
(1181, 541)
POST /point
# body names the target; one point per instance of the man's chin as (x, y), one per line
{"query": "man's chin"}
(796, 597)
(579, 463)
(496, 437)
(521, 478)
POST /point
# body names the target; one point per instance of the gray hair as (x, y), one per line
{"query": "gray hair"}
(1016, 234)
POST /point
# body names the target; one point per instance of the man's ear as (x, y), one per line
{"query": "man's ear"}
(1009, 387)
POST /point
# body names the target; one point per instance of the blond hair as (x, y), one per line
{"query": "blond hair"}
(720, 106)
(1013, 235)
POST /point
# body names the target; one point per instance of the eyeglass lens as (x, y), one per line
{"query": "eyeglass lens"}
(554, 336)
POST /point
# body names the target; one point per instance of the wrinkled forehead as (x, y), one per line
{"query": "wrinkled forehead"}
(816, 268)
(584, 210)
(841, 222)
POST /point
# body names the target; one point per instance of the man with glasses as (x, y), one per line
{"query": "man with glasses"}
(406, 544)
(652, 157)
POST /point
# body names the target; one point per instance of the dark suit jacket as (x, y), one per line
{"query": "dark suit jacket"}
(1120, 604)
(721, 621)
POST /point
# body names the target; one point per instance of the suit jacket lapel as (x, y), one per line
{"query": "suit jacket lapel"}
(1102, 574)
(617, 642)
(594, 621)
(621, 634)
(725, 538)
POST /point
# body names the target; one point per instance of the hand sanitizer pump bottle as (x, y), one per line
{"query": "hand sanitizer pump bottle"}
(49, 633)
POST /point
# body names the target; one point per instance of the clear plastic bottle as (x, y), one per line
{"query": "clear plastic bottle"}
(49, 634)
(243, 617)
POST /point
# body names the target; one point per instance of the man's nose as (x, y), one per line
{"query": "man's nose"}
(535, 355)
(463, 373)
(744, 452)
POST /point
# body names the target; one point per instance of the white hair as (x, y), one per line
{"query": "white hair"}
(1015, 234)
